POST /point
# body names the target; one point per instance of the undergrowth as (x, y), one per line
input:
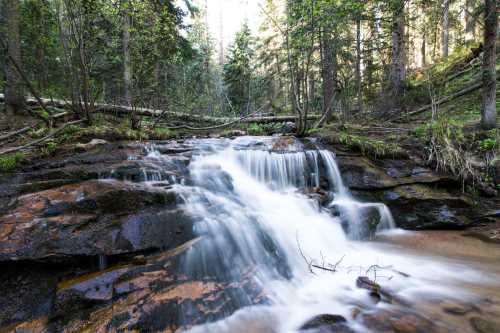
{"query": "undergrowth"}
(9, 163)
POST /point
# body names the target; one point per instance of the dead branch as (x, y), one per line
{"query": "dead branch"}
(48, 136)
(17, 132)
(213, 127)
(309, 262)
(444, 100)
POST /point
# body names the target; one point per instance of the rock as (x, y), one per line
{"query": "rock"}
(494, 168)
(420, 207)
(360, 173)
(288, 128)
(457, 308)
(481, 325)
(397, 321)
(149, 297)
(91, 218)
(326, 323)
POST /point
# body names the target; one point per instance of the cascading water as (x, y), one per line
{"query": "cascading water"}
(254, 215)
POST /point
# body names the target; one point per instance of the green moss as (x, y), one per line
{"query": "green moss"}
(10, 162)
(370, 146)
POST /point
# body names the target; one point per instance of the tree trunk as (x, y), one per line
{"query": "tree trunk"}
(445, 28)
(398, 67)
(14, 89)
(358, 65)
(470, 24)
(423, 51)
(327, 74)
(127, 63)
(489, 112)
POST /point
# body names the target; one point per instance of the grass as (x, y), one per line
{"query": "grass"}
(9, 163)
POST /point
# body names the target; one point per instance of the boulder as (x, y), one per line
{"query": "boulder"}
(327, 323)
(361, 173)
(397, 321)
(91, 218)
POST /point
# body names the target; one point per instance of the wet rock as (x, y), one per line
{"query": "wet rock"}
(288, 128)
(481, 325)
(360, 173)
(457, 308)
(327, 323)
(90, 218)
(147, 297)
(421, 207)
(397, 321)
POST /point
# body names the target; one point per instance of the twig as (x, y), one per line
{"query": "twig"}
(308, 261)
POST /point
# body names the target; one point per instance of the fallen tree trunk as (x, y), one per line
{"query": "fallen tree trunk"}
(468, 90)
(48, 136)
(125, 110)
(17, 132)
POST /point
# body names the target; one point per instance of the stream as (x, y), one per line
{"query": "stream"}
(250, 198)
(240, 235)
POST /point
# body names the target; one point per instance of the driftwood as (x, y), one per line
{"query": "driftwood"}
(48, 136)
(468, 90)
(146, 112)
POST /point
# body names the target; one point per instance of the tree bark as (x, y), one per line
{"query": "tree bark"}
(358, 65)
(470, 24)
(423, 51)
(14, 89)
(489, 112)
(445, 28)
(398, 65)
(127, 63)
(327, 74)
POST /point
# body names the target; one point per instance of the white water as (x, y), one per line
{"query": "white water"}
(252, 216)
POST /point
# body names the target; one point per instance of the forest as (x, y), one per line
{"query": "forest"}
(172, 166)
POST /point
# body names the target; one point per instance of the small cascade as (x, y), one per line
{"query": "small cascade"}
(253, 212)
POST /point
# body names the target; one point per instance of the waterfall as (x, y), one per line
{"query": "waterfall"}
(257, 220)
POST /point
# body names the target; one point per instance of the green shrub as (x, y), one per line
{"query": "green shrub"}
(256, 129)
(488, 144)
(10, 162)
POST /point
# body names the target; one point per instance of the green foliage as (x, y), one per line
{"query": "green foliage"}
(9, 163)
(488, 144)
(238, 69)
(49, 148)
(256, 129)
(370, 146)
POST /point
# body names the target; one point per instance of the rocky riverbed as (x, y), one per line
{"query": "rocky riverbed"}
(92, 239)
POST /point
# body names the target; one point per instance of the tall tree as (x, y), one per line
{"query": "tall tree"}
(127, 60)
(445, 28)
(489, 112)
(14, 89)
(470, 23)
(238, 70)
(359, 90)
(327, 70)
(398, 63)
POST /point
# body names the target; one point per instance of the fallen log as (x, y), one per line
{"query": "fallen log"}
(17, 132)
(444, 100)
(48, 136)
(146, 112)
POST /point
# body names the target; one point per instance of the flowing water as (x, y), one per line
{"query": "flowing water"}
(256, 212)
